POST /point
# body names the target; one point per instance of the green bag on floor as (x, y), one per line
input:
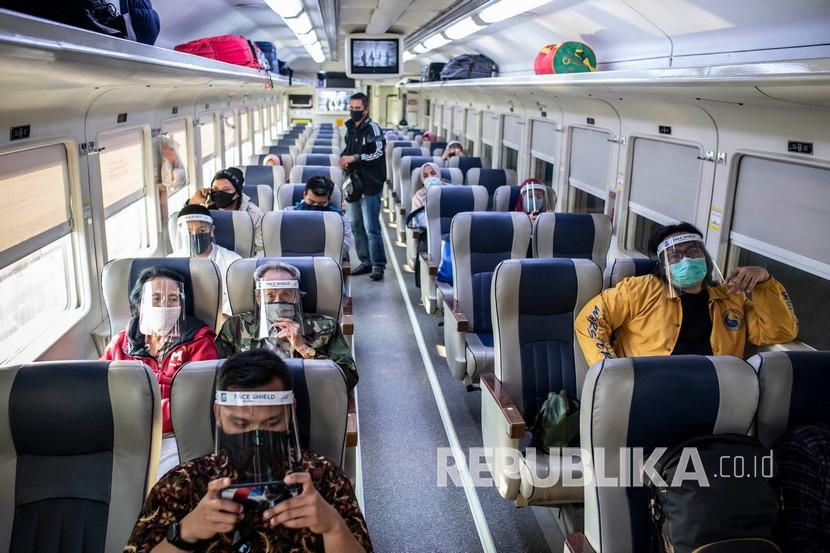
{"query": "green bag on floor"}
(557, 423)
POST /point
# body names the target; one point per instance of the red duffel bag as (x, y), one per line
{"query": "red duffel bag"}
(233, 49)
(565, 57)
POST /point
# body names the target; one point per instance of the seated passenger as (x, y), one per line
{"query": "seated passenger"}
(533, 199)
(163, 337)
(429, 137)
(454, 148)
(317, 197)
(430, 176)
(803, 461)
(256, 441)
(226, 193)
(393, 135)
(271, 160)
(685, 308)
(173, 172)
(279, 324)
(195, 229)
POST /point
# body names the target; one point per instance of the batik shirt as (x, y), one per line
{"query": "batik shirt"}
(321, 332)
(179, 492)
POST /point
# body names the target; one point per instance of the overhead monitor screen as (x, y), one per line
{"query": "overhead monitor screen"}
(375, 56)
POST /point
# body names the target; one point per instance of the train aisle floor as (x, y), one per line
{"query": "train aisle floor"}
(401, 431)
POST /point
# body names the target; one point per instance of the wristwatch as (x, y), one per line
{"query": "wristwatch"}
(309, 352)
(174, 538)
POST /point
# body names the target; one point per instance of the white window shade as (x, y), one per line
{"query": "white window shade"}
(489, 123)
(782, 210)
(543, 140)
(472, 124)
(665, 181)
(512, 135)
(122, 168)
(458, 121)
(589, 161)
(41, 214)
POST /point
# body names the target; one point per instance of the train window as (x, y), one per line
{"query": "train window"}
(245, 134)
(489, 124)
(122, 162)
(472, 131)
(446, 122)
(487, 156)
(543, 171)
(664, 187)
(798, 257)
(275, 115)
(588, 177)
(458, 117)
(544, 142)
(229, 132)
(207, 139)
(511, 142)
(509, 158)
(177, 192)
(37, 283)
(259, 142)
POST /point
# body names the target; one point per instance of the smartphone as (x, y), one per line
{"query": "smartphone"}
(259, 496)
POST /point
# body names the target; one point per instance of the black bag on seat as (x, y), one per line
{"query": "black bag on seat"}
(736, 513)
(469, 66)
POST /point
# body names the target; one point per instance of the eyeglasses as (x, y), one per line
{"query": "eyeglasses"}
(693, 252)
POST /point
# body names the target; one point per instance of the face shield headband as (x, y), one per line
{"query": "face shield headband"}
(196, 239)
(531, 202)
(257, 430)
(277, 299)
(686, 263)
(160, 310)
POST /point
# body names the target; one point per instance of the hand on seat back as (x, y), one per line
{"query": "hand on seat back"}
(744, 279)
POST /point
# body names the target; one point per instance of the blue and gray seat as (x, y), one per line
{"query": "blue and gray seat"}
(491, 179)
(449, 176)
(465, 163)
(533, 306)
(234, 230)
(264, 175)
(289, 194)
(406, 167)
(479, 242)
(301, 173)
(573, 235)
(80, 448)
(291, 233)
(620, 268)
(261, 195)
(318, 160)
(287, 161)
(506, 197)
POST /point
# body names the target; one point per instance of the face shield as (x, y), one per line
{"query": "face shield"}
(161, 310)
(686, 263)
(277, 300)
(195, 234)
(257, 430)
(534, 198)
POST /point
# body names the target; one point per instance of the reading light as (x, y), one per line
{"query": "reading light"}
(308, 39)
(300, 24)
(421, 49)
(436, 41)
(504, 9)
(463, 28)
(286, 8)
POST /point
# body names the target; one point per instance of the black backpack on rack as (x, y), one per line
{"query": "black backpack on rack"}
(469, 66)
(432, 72)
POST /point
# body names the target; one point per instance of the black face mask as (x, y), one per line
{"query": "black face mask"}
(356, 115)
(200, 242)
(258, 455)
(221, 199)
(313, 207)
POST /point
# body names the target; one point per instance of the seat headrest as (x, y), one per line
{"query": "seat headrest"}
(301, 173)
(491, 179)
(263, 174)
(291, 193)
(465, 163)
(579, 235)
(624, 268)
(293, 233)
(318, 160)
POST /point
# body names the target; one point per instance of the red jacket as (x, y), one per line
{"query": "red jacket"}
(196, 344)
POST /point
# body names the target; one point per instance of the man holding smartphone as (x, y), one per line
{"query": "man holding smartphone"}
(257, 442)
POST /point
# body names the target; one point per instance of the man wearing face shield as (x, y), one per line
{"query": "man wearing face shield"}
(279, 324)
(686, 307)
(220, 503)
(195, 231)
(226, 193)
(164, 337)
(533, 199)
(317, 197)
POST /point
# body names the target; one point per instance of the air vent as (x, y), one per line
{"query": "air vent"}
(250, 5)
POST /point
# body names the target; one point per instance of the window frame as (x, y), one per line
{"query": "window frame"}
(244, 114)
(234, 127)
(214, 116)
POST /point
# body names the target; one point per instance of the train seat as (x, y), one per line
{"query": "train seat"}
(619, 269)
(480, 241)
(290, 193)
(443, 203)
(437, 148)
(534, 303)
(793, 391)
(464, 163)
(286, 159)
(264, 174)
(318, 160)
(321, 406)
(491, 179)
(234, 231)
(449, 176)
(398, 153)
(332, 149)
(650, 402)
(80, 447)
(291, 233)
(301, 173)
(202, 285)
(406, 166)
(261, 195)
(389, 150)
(579, 235)
(506, 197)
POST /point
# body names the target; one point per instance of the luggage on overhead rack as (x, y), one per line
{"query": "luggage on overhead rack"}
(233, 49)
(565, 57)
(269, 49)
(469, 66)
(432, 72)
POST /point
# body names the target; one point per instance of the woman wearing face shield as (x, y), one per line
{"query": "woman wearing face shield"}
(533, 199)
(164, 337)
(686, 307)
(226, 193)
(173, 171)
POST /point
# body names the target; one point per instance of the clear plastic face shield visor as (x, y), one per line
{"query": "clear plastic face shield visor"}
(687, 264)
(534, 198)
(195, 234)
(257, 430)
(161, 311)
(277, 300)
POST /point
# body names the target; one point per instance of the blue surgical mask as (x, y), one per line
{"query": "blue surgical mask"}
(432, 181)
(688, 272)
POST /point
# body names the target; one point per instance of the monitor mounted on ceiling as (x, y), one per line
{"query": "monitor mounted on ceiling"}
(374, 57)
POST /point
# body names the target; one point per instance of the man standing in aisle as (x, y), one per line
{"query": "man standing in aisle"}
(364, 158)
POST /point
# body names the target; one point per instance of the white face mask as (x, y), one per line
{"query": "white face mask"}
(158, 321)
(432, 181)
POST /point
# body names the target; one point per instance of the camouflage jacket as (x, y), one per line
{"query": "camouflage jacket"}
(321, 332)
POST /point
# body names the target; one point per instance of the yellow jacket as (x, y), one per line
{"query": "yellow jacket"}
(637, 318)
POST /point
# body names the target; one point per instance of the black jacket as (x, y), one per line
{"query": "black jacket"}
(366, 142)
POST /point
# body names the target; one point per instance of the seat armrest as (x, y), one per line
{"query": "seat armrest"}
(461, 321)
(346, 267)
(578, 543)
(351, 422)
(101, 336)
(426, 259)
(516, 426)
(347, 319)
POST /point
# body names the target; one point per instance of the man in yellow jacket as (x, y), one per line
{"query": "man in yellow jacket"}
(684, 309)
